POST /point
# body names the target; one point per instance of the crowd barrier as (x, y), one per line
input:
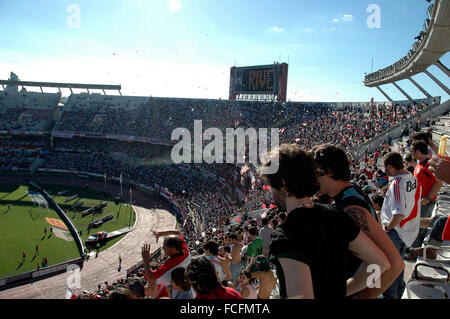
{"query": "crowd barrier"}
(36, 274)
(118, 137)
(139, 186)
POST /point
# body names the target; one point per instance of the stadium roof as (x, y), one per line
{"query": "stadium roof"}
(425, 52)
(61, 85)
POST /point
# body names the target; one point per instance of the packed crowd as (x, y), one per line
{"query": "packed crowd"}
(19, 151)
(215, 199)
(203, 199)
(260, 258)
(27, 111)
(25, 119)
(132, 149)
(300, 122)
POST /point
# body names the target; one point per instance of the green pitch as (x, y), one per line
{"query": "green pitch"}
(22, 226)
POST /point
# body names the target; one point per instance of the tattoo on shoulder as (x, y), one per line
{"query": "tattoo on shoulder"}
(359, 217)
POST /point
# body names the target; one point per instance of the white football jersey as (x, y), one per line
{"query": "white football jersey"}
(403, 197)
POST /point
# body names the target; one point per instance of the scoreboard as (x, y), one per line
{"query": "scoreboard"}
(259, 80)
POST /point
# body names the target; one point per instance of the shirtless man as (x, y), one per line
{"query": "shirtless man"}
(262, 271)
(235, 264)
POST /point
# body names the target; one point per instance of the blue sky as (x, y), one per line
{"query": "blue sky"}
(185, 48)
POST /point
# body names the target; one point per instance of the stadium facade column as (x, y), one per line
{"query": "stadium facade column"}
(384, 93)
(428, 95)
(442, 67)
(402, 91)
(437, 82)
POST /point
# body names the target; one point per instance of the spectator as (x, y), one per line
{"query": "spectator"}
(410, 163)
(428, 139)
(273, 223)
(202, 274)
(175, 247)
(137, 288)
(265, 234)
(121, 293)
(334, 176)
(428, 182)
(211, 251)
(181, 284)
(260, 268)
(246, 282)
(302, 253)
(255, 246)
(377, 203)
(246, 235)
(235, 264)
(400, 214)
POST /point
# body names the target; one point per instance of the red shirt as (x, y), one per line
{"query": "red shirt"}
(425, 177)
(222, 293)
(368, 173)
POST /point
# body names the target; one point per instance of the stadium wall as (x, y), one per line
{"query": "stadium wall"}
(64, 218)
(20, 279)
(397, 130)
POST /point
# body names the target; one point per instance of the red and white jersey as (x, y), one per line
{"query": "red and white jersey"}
(163, 273)
(403, 197)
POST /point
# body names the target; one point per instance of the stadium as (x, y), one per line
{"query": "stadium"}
(87, 178)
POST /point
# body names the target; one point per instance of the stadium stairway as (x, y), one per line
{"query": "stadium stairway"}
(441, 128)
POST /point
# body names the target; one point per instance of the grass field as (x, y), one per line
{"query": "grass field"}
(22, 226)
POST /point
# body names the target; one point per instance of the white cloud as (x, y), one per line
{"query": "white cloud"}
(276, 29)
(347, 17)
(174, 5)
